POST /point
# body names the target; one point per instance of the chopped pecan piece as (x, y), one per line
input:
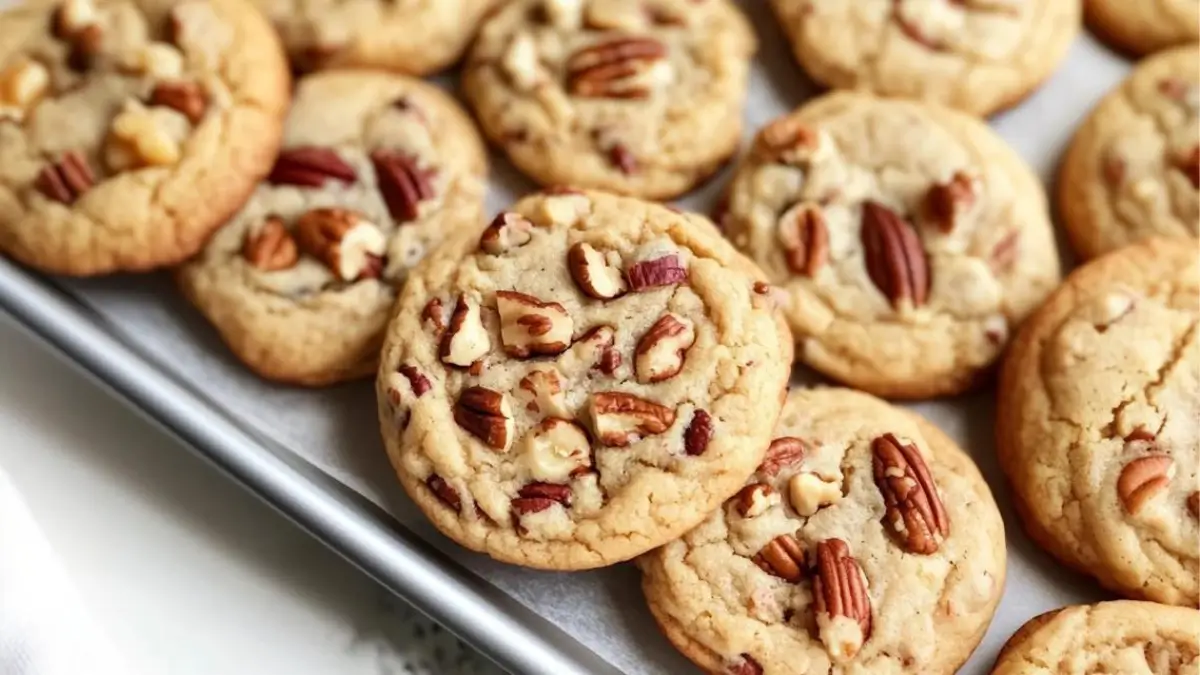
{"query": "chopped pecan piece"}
(272, 248)
(188, 98)
(530, 327)
(349, 245)
(664, 271)
(506, 232)
(310, 166)
(594, 273)
(1143, 479)
(782, 452)
(915, 513)
(661, 352)
(466, 340)
(66, 180)
(419, 383)
(444, 492)
(620, 418)
(805, 238)
(536, 497)
(946, 202)
(698, 434)
(783, 557)
(754, 499)
(403, 183)
(486, 415)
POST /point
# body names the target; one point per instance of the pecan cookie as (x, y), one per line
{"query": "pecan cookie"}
(131, 129)
(1097, 431)
(410, 36)
(980, 56)
(583, 382)
(1144, 27)
(1133, 169)
(1134, 638)
(865, 542)
(908, 240)
(613, 94)
(376, 170)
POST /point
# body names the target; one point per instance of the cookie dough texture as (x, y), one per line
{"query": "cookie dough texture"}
(1138, 638)
(411, 36)
(1096, 428)
(733, 606)
(539, 423)
(130, 130)
(1133, 169)
(908, 240)
(980, 56)
(315, 318)
(639, 98)
(1144, 27)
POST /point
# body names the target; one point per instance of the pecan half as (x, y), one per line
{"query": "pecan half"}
(805, 238)
(530, 327)
(615, 68)
(664, 271)
(781, 453)
(506, 232)
(661, 352)
(403, 184)
(754, 499)
(1143, 479)
(594, 274)
(66, 180)
(698, 434)
(486, 415)
(1189, 164)
(188, 98)
(620, 419)
(444, 492)
(946, 202)
(840, 591)
(915, 513)
(894, 256)
(272, 248)
(556, 450)
(536, 497)
(418, 381)
(310, 166)
(467, 339)
(349, 245)
(783, 557)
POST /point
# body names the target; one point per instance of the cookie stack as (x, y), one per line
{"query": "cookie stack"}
(590, 377)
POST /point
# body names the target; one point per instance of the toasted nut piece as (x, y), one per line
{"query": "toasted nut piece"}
(22, 85)
(508, 231)
(349, 245)
(946, 203)
(310, 166)
(520, 63)
(915, 513)
(664, 271)
(434, 314)
(73, 16)
(142, 136)
(66, 180)
(541, 391)
(536, 497)
(895, 257)
(416, 379)
(592, 272)
(594, 350)
(619, 419)
(404, 184)
(556, 450)
(790, 141)
(755, 499)
(745, 665)
(662, 350)
(783, 452)
(809, 493)
(805, 238)
(782, 557)
(698, 434)
(188, 98)
(467, 339)
(449, 496)
(271, 247)
(157, 60)
(1143, 479)
(1193, 504)
(621, 67)
(487, 415)
(843, 608)
(529, 326)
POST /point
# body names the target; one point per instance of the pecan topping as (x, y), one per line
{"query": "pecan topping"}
(67, 180)
(486, 415)
(529, 326)
(620, 418)
(698, 434)
(782, 557)
(1193, 504)
(782, 452)
(444, 492)
(435, 314)
(805, 238)
(664, 271)
(895, 258)
(1189, 164)
(625, 161)
(272, 248)
(188, 98)
(556, 450)
(809, 493)
(661, 351)
(541, 390)
(420, 383)
(746, 666)
(536, 497)
(915, 513)
(840, 592)
(594, 274)
(72, 16)
(310, 167)
(946, 202)
(789, 140)
(467, 339)
(506, 232)
(350, 246)
(596, 348)
(404, 185)
(86, 46)
(1143, 479)
(1141, 433)
(753, 500)
(617, 68)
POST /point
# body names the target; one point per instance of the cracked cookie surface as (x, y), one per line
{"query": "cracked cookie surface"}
(1144, 27)
(584, 381)
(409, 36)
(980, 56)
(866, 542)
(1132, 638)
(376, 170)
(613, 94)
(131, 129)
(1096, 429)
(908, 240)
(1133, 168)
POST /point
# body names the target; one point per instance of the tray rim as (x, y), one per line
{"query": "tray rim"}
(508, 633)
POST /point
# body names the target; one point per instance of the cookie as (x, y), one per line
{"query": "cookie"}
(865, 542)
(1096, 429)
(131, 129)
(584, 381)
(980, 56)
(376, 170)
(1109, 637)
(1133, 168)
(613, 94)
(1143, 27)
(907, 239)
(410, 36)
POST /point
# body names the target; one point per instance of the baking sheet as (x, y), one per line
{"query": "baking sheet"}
(336, 429)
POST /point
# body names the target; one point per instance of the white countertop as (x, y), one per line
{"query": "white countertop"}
(188, 573)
